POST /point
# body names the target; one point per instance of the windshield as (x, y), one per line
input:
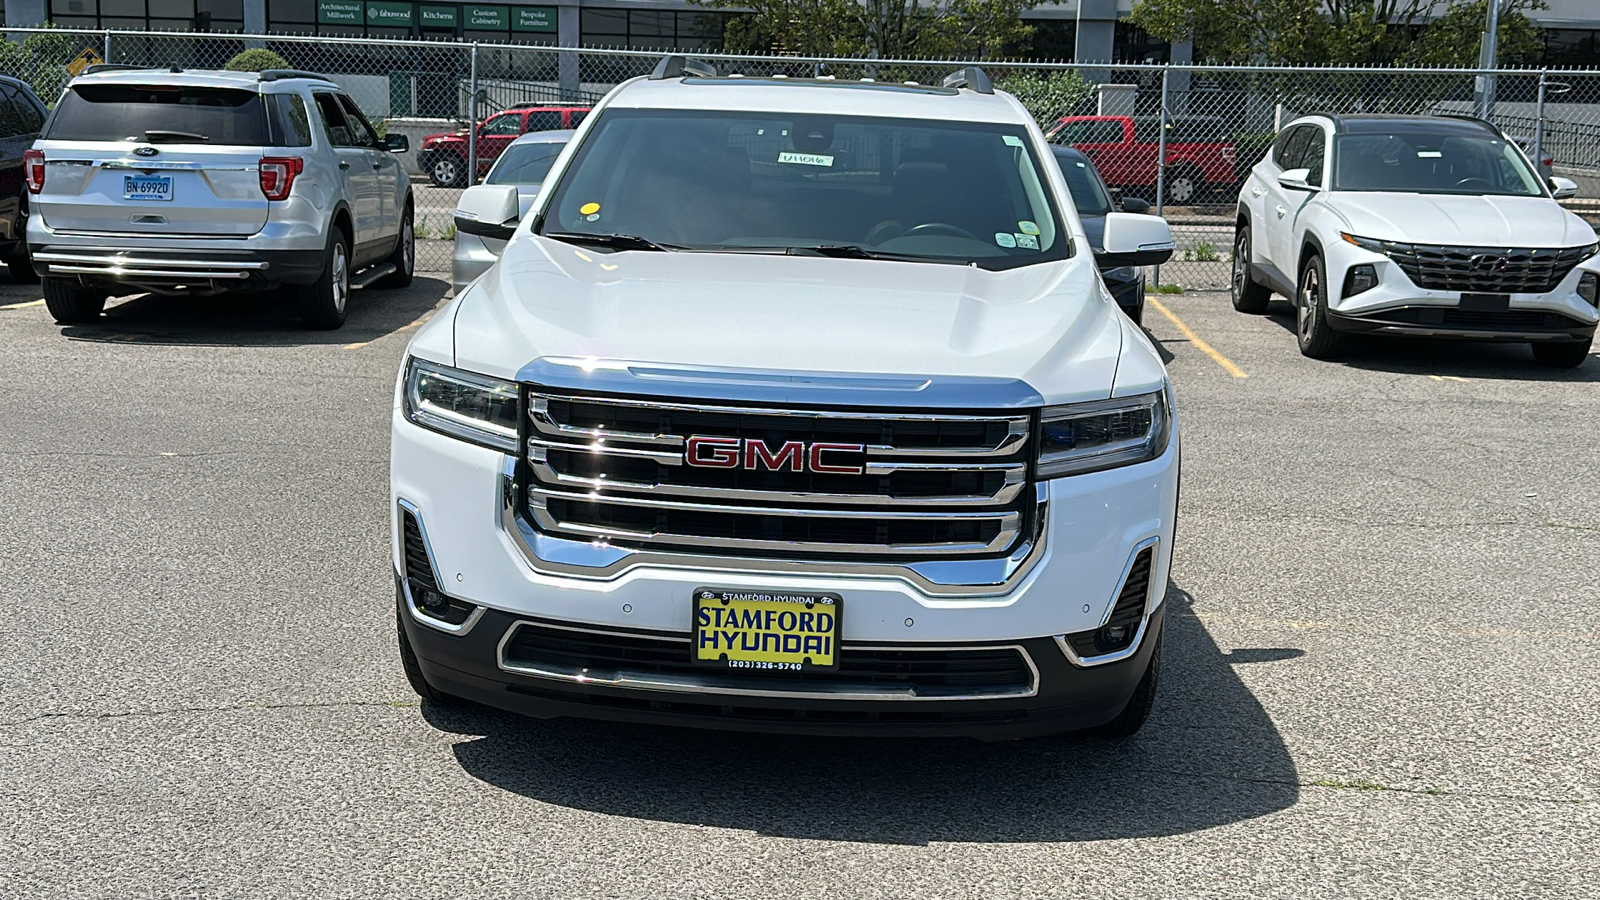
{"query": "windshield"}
(1423, 163)
(1087, 193)
(525, 163)
(160, 113)
(903, 188)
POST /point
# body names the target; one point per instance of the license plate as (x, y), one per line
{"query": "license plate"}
(147, 187)
(1485, 302)
(765, 630)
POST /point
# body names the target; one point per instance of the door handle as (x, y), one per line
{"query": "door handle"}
(1282, 212)
(1256, 192)
(344, 165)
(377, 165)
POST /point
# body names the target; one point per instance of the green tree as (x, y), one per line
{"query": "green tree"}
(1336, 32)
(41, 60)
(883, 29)
(1048, 95)
(256, 59)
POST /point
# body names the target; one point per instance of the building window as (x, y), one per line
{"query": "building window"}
(1132, 44)
(652, 29)
(1571, 47)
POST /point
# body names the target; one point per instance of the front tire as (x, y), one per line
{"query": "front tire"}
(408, 659)
(404, 256)
(71, 304)
(1185, 186)
(447, 170)
(1562, 355)
(1247, 296)
(325, 303)
(1317, 338)
(1137, 712)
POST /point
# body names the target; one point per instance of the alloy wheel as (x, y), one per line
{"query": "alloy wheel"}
(1241, 263)
(444, 171)
(1182, 189)
(408, 247)
(341, 278)
(1308, 300)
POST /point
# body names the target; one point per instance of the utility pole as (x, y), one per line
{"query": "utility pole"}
(1488, 60)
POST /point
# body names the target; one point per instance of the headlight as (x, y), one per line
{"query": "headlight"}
(1086, 437)
(1375, 246)
(465, 405)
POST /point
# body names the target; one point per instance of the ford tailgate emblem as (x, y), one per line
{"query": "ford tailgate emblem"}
(145, 151)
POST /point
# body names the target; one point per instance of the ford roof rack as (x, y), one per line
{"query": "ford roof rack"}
(275, 74)
(677, 66)
(972, 78)
(110, 67)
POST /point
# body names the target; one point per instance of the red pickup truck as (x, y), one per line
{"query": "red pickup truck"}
(444, 156)
(1200, 156)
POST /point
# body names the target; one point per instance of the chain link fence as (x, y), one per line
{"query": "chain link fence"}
(1181, 138)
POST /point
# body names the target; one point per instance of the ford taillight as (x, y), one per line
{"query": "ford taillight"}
(277, 175)
(33, 169)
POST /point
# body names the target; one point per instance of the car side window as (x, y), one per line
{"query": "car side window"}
(10, 120)
(1313, 152)
(543, 120)
(339, 134)
(32, 115)
(360, 129)
(1280, 147)
(1107, 133)
(1295, 149)
(290, 120)
(503, 124)
(576, 117)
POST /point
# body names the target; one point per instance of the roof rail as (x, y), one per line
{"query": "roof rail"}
(111, 67)
(676, 66)
(972, 78)
(275, 74)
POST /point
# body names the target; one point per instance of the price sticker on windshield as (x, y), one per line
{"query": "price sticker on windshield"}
(805, 159)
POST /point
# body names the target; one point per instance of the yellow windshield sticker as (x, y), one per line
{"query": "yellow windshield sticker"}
(1027, 227)
(589, 209)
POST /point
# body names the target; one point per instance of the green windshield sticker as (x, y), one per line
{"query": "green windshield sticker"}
(1004, 240)
(805, 159)
(1012, 140)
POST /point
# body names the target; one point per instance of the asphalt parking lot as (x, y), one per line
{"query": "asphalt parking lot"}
(1379, 678)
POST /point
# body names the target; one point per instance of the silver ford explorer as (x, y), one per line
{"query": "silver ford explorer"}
(205, 183)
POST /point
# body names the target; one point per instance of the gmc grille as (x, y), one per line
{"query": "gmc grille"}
(932, 484)
(1491, 270)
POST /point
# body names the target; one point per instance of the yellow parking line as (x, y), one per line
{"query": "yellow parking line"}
(23, 305)
(1223, 361)
(417, 322)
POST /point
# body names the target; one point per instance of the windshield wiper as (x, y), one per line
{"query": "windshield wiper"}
(614, 241)
(856, 251)
(162, 136)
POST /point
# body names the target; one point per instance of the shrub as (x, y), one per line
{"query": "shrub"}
(255, 60)
(1047, 95)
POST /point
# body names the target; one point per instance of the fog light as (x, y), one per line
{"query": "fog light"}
(432, 600)
(1361, 278)
(1117, 634)
(1589, 288)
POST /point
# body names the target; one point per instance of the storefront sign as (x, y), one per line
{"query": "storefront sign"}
(534, 18)
(487, 18)
(439, 16)
(397, 15)
(339, 12)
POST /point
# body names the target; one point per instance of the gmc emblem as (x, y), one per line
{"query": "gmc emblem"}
(753, 453)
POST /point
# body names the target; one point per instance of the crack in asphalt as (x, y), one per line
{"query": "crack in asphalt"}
(150, 713)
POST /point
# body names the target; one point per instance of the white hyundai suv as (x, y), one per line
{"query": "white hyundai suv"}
(1433, 226)
(794, 405)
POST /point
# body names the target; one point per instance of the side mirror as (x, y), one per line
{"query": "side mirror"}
(1135, 240)
(1136, 206)
(489, 210)
(397, 143)
(1295, 180)
(1562, 188)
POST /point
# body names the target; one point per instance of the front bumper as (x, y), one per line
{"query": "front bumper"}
(1092, 527)
(1063, 697)
(1397, 306)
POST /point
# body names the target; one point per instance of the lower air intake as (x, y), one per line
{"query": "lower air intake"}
(1119, 631)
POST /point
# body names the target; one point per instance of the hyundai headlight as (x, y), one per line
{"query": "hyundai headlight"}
(464, 405)
(1087, 437)
(1387, 248)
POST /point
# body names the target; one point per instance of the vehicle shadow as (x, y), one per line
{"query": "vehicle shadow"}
(1425, 356)
(265, 319)
(1209, 756)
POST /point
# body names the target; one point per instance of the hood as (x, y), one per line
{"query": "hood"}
(1050, 325)
(1464, 220)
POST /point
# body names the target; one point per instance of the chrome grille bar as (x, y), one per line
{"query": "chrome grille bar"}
(614, 469)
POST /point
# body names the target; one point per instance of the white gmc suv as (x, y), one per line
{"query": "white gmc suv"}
(1433, 226)
(792, 405)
